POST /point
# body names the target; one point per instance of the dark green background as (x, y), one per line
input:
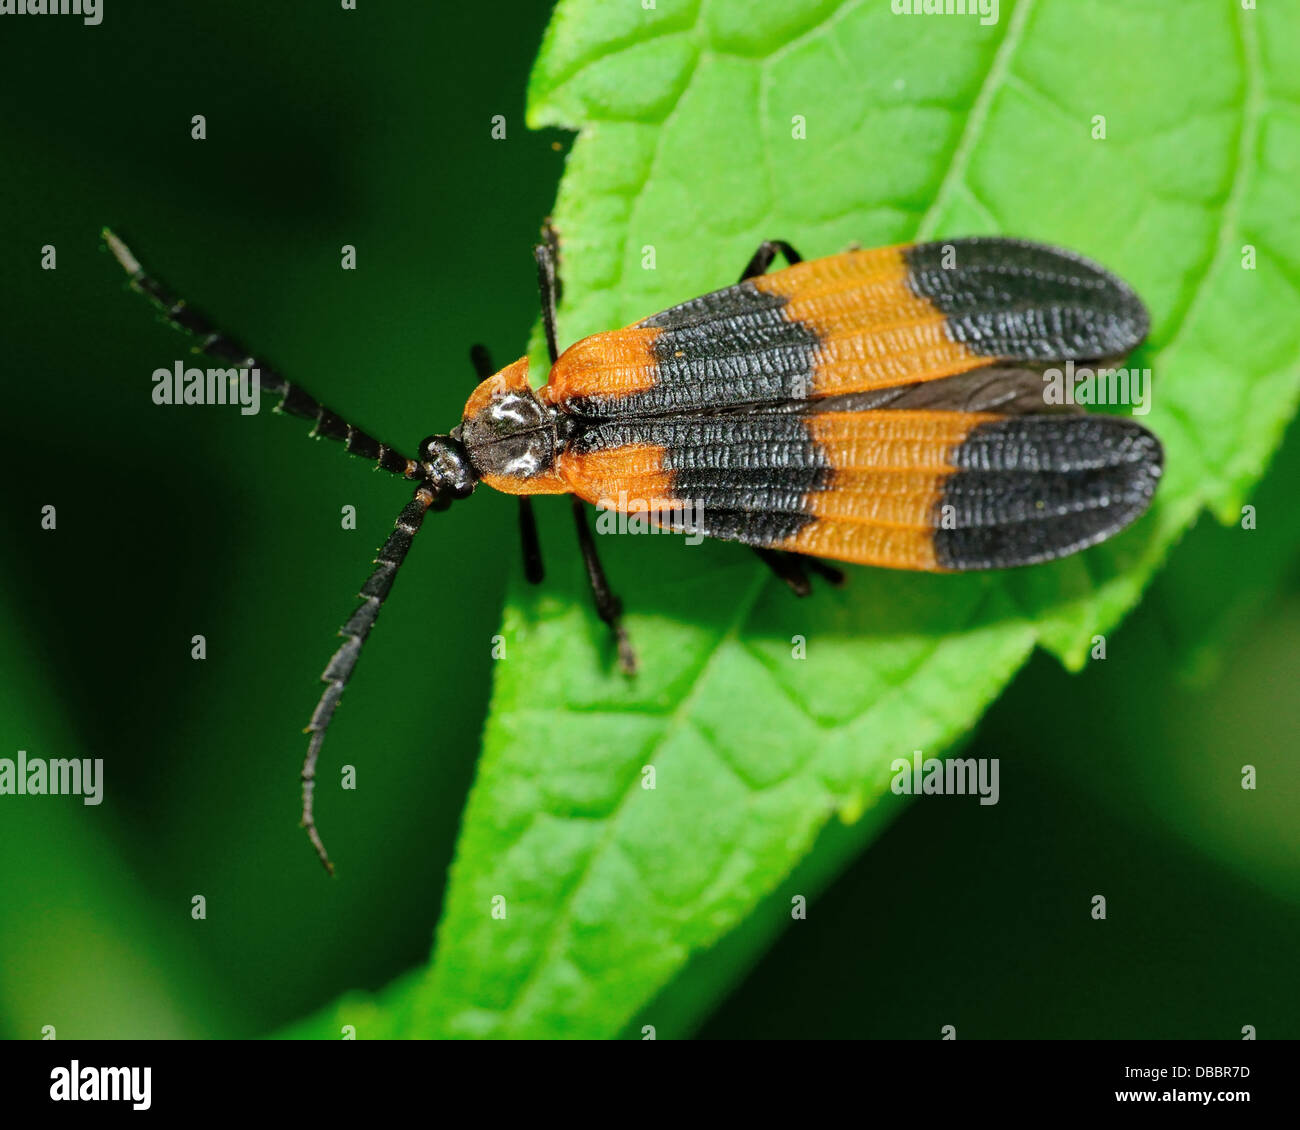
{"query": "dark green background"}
(328, 127)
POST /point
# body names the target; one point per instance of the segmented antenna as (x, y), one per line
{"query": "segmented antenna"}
(294, 399)
(339, 669)
(298, 402)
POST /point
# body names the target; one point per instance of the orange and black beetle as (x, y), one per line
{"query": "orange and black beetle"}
(879, 407)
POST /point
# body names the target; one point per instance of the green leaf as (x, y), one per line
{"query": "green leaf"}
(914, 127)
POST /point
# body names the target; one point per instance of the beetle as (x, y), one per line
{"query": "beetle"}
(879, 407)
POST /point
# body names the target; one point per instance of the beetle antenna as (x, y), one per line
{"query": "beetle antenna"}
(339, 669)
(294, 399)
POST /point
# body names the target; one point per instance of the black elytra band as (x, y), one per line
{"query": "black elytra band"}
(1025, 301)
(1035, 488)
(749, 471)
(730, 347)
(768, 358)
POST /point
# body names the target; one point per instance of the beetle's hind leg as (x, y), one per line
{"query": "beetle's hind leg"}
(793, 568)
(608, 606)
(762, 258)
(824, 569)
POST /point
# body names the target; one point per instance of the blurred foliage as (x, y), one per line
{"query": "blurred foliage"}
(373, 128)
(324, 127)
